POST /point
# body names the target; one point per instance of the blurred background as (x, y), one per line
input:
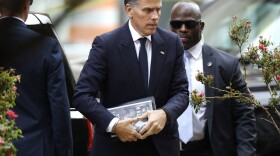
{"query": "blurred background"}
(77, 22)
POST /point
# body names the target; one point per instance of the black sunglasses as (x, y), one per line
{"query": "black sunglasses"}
(31, 1)
(190, 24)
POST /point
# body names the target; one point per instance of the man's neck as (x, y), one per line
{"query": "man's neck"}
(22, 15)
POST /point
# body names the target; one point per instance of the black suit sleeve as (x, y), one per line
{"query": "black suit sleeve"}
(59, 104)
(179, 93)
(91, 79)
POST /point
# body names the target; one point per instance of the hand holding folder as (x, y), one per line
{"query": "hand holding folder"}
(131, 123)
(135, 108)
(141, 114)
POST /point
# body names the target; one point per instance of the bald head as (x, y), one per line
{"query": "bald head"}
(186, 21)
(187, 7)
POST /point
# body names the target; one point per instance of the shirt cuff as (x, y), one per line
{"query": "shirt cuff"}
(111, 124)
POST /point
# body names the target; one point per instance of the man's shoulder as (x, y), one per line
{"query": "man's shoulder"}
(166, 37)
(117, 33)
(217, 52)
(166, 33)
(25, 35)
(42, 40)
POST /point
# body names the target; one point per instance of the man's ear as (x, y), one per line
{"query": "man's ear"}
(129, 10)
(26, 8)
(201, 26)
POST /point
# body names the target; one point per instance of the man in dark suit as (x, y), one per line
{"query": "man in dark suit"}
(42, 104)
(221, 127)
(113, 70)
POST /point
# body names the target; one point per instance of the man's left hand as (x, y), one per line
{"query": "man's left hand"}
(155, 124)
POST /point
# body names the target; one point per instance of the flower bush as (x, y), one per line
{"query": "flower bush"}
(261, 56)
(8, 129)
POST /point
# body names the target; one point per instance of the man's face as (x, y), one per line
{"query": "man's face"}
(186, 24)
(145, 16)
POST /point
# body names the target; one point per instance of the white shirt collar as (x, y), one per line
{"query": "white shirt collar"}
(196, 50)
(135, 35)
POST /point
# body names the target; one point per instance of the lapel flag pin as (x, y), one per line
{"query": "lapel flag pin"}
(209, 64)
(162, 52)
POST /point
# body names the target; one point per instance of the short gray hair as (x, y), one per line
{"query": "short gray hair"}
(131, 2)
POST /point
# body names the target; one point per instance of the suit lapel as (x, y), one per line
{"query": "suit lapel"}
(127, 51)
(209, 66)
(158, 56)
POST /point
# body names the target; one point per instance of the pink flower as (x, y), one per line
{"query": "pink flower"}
(262, 47)
(14, 88)
(201, 94)
(277, 77)
(12, 114)
(1, 141)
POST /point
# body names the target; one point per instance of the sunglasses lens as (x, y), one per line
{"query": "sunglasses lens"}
(31, 1)
(191, 24)
(188, 24)
(176, 24)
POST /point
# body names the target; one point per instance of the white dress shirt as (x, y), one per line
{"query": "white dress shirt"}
(196, 64)
(135, 36)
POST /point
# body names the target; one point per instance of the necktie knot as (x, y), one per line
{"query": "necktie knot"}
(143, 41)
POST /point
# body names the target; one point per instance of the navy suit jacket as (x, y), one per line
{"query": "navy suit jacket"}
(42, 104)
(231, 125)
(112, 68)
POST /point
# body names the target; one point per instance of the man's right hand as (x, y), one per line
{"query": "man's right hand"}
(125, 130)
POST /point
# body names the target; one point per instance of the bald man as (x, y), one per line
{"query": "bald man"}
(221, 127)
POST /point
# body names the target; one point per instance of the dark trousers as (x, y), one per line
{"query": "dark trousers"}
(197, 148)
(144, 147)
(148, 148)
